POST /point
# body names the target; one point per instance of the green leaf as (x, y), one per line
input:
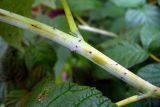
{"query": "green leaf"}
(63, 55)
(16, 98)
(151, 73)
(59, 22)
(150, 35)
(146, 15)
(118, 24)
(128, 3)
(109, 10)
(68, 95)
(8, 32)
(125, 53)
(49, 3)
(80, 6)
(40, 53)
(132, 35)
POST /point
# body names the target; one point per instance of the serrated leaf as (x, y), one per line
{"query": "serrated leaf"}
(8, 32)
(40, 53)
(132, 35)
(146, 15)
(125, 53)
(150, 35)
(151, 73)
(68, 95)
(109, 10)
(128, 3)
(118, 25)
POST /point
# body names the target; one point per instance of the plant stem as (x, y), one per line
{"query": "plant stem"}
(85, 26)
(132, 99)
(80, 46)
(81, 20)
(70, 19)
(95, 30)
(154, 57)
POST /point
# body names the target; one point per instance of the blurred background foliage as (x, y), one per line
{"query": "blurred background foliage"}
(26, 58)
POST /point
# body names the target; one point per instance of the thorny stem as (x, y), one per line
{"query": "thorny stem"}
(80, 46)
(132, 99)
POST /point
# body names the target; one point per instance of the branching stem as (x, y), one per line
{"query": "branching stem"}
(80, 46)
(132, 99)
(70, 19)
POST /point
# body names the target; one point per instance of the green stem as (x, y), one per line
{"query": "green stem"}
(85, 26)
(70, 19)
(81, 20)
(80, 46)
(132, 99)
(154, 57)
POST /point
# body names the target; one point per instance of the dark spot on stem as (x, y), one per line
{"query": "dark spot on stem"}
(155, 90)
(125, 73)
(122, 78)
(35, 26)
(90, 52)
(116, 64)
(80, 40)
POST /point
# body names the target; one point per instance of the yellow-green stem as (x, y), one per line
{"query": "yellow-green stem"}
(132, 99)
(70, 19)
(80, 46)
(82, 21)
(154, 57)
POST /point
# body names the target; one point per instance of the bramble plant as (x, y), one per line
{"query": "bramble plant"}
(37, 72)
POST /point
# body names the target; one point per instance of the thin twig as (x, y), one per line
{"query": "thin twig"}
(95, 30)
(81, 20)
(85, 26)
(70, 19)
(132, 99)
(154, 57)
